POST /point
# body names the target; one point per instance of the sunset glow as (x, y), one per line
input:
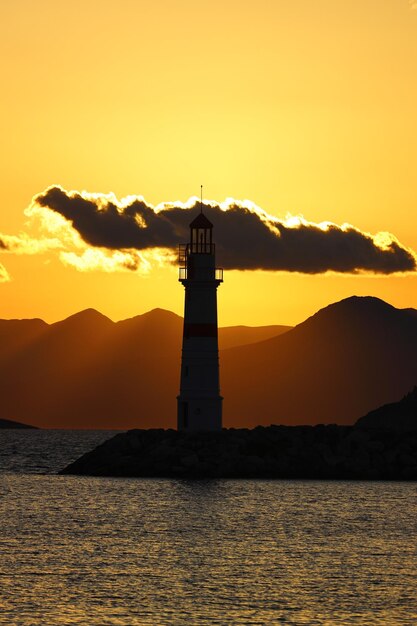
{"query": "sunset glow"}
(304, 113)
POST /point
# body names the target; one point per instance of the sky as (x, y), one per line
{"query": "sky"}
(298, 117)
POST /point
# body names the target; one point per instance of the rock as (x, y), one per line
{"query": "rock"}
(189, 461)
(320, 452)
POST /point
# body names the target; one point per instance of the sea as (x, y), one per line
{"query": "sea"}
(133, 552)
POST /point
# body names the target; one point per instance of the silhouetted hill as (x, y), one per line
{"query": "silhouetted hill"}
(336, 366)
(83, 320)
(87, 371)
(232, 336)
(400, 415)
(16, 335)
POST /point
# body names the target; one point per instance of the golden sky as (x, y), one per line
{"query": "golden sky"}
(304, 108)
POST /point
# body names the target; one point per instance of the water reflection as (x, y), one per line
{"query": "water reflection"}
(137, 552)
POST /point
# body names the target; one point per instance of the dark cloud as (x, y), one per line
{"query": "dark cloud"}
(3, 245)
(246, 239)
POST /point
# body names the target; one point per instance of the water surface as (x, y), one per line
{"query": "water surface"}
(130, 552)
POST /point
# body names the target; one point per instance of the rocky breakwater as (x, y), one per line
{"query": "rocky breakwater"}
(304, 452)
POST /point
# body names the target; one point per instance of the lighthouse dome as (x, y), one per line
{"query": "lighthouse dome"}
(201, 221)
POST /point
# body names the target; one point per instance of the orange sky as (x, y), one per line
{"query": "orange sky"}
(303, 108)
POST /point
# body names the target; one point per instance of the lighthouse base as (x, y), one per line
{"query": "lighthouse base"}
(196, 414)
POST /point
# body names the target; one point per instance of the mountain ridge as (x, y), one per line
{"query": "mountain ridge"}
(334, 367)
(346, 359)
(88, 371)
(394, 416)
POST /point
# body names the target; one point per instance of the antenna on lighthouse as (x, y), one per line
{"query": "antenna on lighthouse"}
(201, 198)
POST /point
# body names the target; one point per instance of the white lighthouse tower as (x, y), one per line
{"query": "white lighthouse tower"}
(199, 401)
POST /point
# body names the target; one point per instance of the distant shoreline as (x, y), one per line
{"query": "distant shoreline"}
(13, 424)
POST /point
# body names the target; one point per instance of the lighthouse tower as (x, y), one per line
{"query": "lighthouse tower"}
(199, 401)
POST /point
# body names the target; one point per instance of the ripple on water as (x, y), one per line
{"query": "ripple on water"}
(137, 552)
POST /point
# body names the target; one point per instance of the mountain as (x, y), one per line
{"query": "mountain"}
(89, 372)
(16, 335)
(400, 415)
(333, 368)
(232, 336)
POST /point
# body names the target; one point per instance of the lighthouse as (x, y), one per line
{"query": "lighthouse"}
(199, 400)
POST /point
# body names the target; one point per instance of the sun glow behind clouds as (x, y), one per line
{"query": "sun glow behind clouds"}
(4, 276)
(98, 232)
(54, 233)
(25, 244)
(100, 259)
(132, 234)
(97, 259)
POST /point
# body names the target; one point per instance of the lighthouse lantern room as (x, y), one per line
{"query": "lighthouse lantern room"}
(199, 400)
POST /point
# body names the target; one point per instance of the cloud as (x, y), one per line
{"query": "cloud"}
(24, 244)
(247, 238)
(4, 275)
(54, 233)
(92, 259)
(413, 4)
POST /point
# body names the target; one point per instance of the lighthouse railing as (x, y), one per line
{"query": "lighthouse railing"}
(207, 274)
(200, 247)
(182, 254)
